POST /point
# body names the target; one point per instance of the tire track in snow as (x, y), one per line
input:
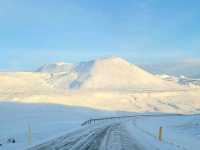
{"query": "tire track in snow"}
(118, 138)
(91, 142)
(81, 140)
(66, 141)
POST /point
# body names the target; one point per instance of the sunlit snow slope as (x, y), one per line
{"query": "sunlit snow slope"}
(108, 83)
(111, 73)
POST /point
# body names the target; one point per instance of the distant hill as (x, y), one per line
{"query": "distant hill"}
(112, 73)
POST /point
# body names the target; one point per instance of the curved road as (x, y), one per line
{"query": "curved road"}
(116, 135)
(108, 137)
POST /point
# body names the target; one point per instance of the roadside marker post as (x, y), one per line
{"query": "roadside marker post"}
(29, 135)
(160, 137)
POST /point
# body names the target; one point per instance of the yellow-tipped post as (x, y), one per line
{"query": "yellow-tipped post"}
(160, 137)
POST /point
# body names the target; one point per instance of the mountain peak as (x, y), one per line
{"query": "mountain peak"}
(113, 59)
(60, 63)
(117, 73)
(55, 67)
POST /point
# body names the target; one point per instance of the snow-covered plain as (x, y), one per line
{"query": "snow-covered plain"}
(58, 97)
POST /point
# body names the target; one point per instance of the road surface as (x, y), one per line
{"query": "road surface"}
(115, 135)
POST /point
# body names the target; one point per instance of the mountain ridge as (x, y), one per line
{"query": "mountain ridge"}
(105, 73)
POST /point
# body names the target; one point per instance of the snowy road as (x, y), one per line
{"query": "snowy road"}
(118, 138)
(109, 137)
(113, 136)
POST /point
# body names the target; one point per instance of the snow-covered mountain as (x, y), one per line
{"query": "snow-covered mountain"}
(112, 73)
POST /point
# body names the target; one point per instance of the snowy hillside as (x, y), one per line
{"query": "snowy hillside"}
(116, 73)
(111, 73)
(22, 84)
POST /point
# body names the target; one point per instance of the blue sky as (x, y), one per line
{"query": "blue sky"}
(35, 32)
